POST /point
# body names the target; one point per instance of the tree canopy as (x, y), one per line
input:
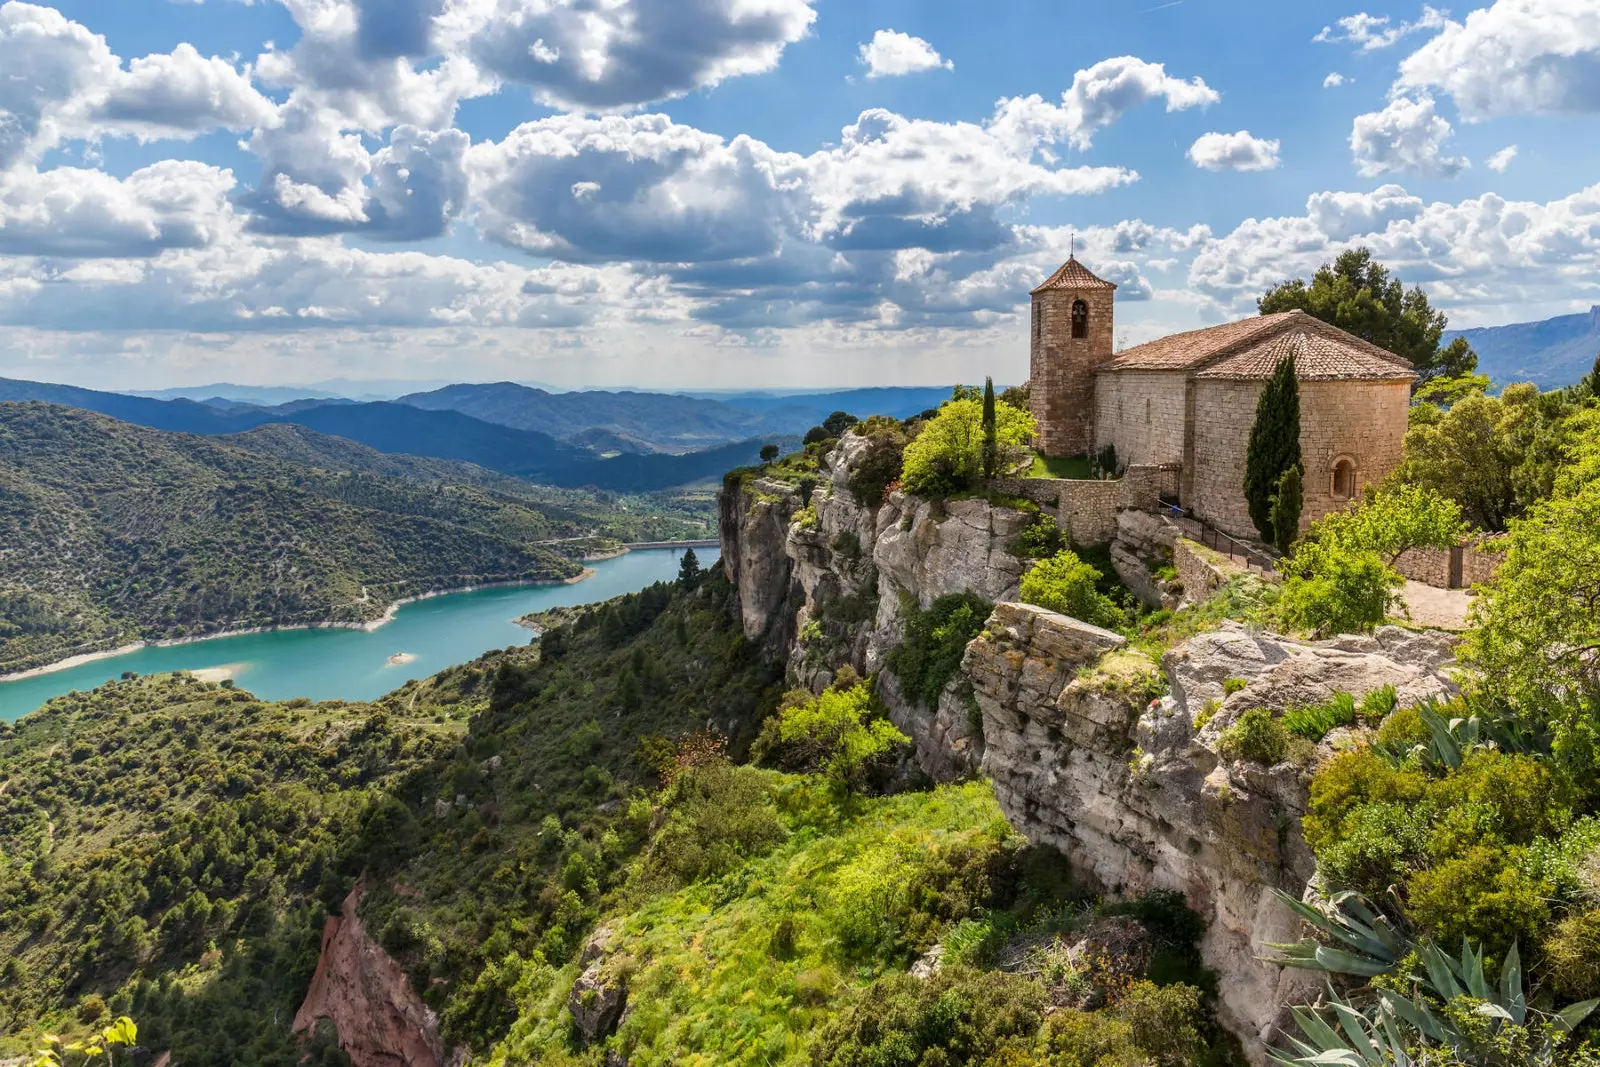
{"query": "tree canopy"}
(1358, 294)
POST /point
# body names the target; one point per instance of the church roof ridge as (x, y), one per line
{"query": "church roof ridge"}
(1073, 275)
(1253, 347)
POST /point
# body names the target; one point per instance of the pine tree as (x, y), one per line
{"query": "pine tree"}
(1274, 445)
(1287, 504)
(991, 441)
(689, 570)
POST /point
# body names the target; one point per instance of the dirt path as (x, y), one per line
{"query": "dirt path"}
(1430, 606)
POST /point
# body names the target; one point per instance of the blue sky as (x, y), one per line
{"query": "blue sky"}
(705, 193)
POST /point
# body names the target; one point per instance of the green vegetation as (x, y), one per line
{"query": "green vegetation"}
(117, 533)
(171, 847)
(1358, 295)
(1065, 584)
(1341, 578)
(1256, 736)
(935, 640)
(1273, 448)
(946, 456)
(1074, 467)
(1288, 500)
(839, 734)
(879, 468)
(1496, 456)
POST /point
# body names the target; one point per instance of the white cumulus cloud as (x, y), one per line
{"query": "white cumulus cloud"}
(891, 53)
(1372, 32)
(1407, 135)
(1501, 159)
(1514, 57)
(75, 213)
(1234, 151)
(1334, 80)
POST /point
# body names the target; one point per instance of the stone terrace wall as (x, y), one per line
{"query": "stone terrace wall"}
(1480, 558)
(1086, 508)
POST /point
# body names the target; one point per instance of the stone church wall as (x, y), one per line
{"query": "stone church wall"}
(1359, 420)
(1141, 414)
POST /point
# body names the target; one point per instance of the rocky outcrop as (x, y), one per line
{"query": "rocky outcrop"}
(1083, 758)
(599, 994)
(1145, 544)
(361, 990)
(830, 585)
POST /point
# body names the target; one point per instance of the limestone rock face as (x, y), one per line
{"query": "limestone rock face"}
(833, 593)
(1143, 542)
(380, 1020)
(598, 996)
(1137, 799)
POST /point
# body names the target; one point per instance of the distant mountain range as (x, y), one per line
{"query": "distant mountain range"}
(1550, 353)
(404, 428)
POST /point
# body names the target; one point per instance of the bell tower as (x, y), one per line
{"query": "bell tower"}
(1070, 337)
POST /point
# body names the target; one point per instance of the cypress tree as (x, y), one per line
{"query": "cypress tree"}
(991, 440)
(1286, 507)
(1274, 445)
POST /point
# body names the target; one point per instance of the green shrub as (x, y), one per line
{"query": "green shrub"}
(1065, 584)
(717, 816)
(1378, 846)
(935, 641)
(1231, 686)
(1255, 736)
(958, 1016)
(1482, 894)
(1345, 783)
(1572, 954)
(947, 456)
(879, 465)
(842, 731)
(1041, 538)
(1328, 589)
(1377, 705)
(1403, 729)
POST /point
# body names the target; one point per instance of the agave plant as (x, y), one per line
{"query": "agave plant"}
(1372, 945)
(1451, 737)
(1454, 1005)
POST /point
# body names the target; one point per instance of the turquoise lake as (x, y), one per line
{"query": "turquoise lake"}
(353, 664)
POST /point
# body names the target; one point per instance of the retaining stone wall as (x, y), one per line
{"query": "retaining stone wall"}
(1087, 509)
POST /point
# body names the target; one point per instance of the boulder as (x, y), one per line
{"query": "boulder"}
(599, 995)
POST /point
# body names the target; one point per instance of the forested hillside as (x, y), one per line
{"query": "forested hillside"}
(111, 533)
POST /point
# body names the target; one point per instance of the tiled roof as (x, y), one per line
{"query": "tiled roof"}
(1317, 357)
(1253, 348)
(1073, 275)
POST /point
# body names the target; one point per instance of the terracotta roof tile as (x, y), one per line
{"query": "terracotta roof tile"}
(1253, 348)
(1073, 275)
(1182, 351)
(1317, 357)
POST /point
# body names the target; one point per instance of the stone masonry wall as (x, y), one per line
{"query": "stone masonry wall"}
(1480, 558)
(1362, 421)
(1141, 414)
(1086, 508)
(1062, 367)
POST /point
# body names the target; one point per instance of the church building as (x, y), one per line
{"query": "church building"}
(1188, 401)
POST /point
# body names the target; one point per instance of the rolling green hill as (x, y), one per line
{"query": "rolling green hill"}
(111, 533)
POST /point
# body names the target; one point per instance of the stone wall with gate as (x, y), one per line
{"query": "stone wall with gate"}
(1462, 567)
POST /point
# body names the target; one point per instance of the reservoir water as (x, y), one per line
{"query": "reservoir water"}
(354, 664)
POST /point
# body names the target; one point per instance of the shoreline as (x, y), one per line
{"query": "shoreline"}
(83, 658)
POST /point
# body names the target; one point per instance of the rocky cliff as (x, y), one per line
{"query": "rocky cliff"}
(1095, 749)
(825, 580)
(361, 990)
(1084, 757)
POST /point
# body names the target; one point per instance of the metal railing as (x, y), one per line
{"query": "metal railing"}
(1198, 529)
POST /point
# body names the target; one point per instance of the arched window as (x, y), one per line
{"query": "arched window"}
(1080, 319)
(1343, 483)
